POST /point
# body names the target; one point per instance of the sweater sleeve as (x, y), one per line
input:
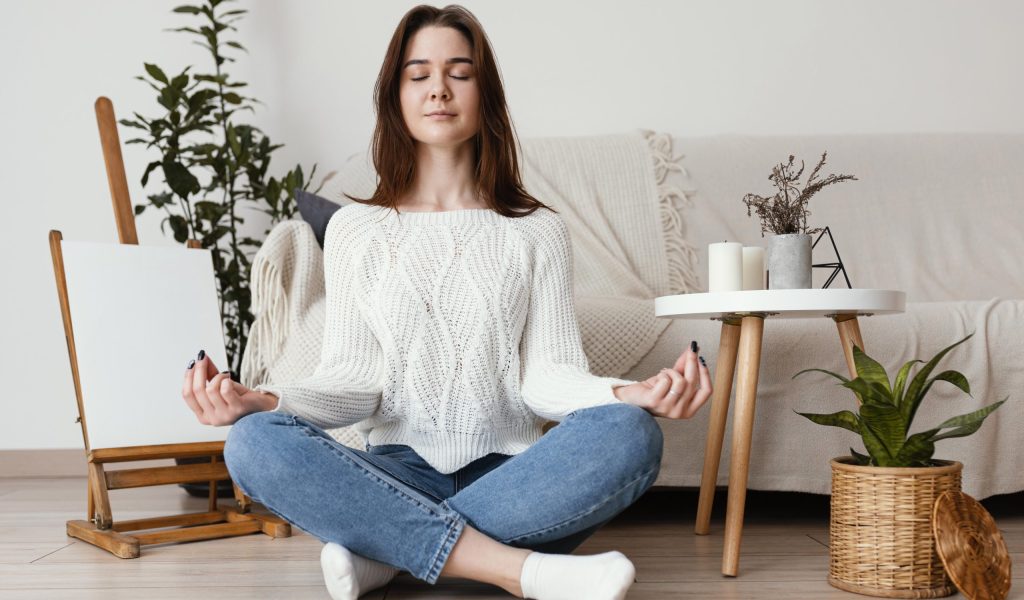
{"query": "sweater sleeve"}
(556, 373)
(346, 385)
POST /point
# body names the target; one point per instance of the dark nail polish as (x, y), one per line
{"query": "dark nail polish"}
(222, 372)
(702, 361)
(191, 363)
(202, 353)
(693, 346)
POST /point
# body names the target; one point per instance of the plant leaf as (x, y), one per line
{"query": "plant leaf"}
(860, 459)
(870, 370)
(967, 424)
(917, 451)
(843, 418)
(879, 454)
(886, 423)
(914, 392)
(836, 375)
(181, 181)
(869, 393)
(955, 377)
(155, 72)
(901, 381)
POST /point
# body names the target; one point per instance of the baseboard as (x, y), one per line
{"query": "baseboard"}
(57, 463)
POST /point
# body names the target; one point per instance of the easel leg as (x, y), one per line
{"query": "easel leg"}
(244, 502)
(725, 367)
(91, 505)
(103, 516)
(213, 490)
(748, 366)
(849, 334)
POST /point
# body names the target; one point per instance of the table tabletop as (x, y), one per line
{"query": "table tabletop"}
(783, 304)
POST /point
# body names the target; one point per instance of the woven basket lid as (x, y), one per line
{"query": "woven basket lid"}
(971, 547)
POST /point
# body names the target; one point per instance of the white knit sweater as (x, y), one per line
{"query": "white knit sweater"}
(452, 332)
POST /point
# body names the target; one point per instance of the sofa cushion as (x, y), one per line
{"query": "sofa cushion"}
(316, 211)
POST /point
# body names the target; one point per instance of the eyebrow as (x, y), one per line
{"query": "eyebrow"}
(423, 61)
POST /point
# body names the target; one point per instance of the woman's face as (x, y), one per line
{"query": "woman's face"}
(438, 75)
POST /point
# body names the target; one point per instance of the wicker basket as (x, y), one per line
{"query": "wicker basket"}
(881, 534)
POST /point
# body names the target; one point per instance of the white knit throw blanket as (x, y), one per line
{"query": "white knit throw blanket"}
(629, 246)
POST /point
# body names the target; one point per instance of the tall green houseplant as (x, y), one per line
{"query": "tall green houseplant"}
(887, 410)
(213, 164)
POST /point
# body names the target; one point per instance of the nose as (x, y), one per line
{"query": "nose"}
(439, 92)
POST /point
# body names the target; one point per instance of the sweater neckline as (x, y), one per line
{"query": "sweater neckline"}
(444, 217)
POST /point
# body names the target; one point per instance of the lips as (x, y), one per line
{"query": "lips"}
(440, 113)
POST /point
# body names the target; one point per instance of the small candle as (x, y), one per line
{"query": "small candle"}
(753, 268)
(725, 267)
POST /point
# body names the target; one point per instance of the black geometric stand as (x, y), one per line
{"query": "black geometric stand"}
(836, 267)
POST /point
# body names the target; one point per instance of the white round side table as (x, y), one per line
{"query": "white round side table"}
(742, 315)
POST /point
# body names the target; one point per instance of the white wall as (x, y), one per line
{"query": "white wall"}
(690, 68)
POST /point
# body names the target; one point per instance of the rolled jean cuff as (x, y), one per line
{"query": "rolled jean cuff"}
(456, 524)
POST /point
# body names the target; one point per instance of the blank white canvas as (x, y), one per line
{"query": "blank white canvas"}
(139, 315)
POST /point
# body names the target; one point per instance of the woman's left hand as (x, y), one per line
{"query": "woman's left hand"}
(676, 393)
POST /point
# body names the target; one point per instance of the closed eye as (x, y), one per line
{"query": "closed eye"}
(453, 77)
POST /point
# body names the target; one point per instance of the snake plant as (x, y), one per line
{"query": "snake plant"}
(888, 409)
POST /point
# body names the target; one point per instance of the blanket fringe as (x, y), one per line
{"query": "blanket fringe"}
(682, 256)
(270, 323)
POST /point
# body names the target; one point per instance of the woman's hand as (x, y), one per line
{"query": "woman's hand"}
(676, 393)
(216, 399)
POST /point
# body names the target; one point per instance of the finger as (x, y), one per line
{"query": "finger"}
(689, 369)
(659, 389)
(213, 393)
(199, 379)
(211, 369)
(691, 348)
(231, 391)
(676, 391)
(702, 395)
(186, 393)
(678, 402)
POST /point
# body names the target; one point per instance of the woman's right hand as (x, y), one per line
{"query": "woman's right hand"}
(216, 399)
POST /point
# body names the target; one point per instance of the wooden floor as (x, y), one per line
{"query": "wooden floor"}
(784, 552)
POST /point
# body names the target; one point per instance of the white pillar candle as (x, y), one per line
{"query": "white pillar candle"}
(753, 268)
(725, 267)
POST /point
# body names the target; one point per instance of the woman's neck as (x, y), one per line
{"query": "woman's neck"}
(444, 180)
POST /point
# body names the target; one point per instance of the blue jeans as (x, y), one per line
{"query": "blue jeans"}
(388, 504)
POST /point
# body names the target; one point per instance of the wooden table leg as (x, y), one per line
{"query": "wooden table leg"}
(725, 366)
(747, 368)
(849, 334)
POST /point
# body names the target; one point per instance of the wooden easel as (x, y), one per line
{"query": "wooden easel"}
(99, 528)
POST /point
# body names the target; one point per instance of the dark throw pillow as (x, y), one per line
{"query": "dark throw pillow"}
(316, 211)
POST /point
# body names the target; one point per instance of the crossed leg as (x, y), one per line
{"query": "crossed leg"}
(549, 498)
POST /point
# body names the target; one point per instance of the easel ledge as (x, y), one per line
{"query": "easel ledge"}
(99, 527)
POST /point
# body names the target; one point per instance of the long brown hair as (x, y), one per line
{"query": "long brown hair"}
(497, 165)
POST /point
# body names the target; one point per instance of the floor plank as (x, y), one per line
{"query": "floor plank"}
(784, 551)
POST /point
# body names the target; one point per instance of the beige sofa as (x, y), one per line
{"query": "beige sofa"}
(933, 215)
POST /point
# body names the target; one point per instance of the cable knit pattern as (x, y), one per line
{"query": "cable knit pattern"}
(452, 332)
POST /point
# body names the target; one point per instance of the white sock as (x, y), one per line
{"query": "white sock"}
(348, 575)
(605, 576)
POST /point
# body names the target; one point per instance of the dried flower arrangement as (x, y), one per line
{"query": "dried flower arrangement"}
(786, 211)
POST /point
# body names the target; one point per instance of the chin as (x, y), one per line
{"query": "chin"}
(450, 139)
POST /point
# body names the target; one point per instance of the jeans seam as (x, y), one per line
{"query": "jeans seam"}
(444, 550)
(582, 514)
(426, 508)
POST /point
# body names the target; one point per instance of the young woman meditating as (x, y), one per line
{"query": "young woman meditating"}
(450, 339)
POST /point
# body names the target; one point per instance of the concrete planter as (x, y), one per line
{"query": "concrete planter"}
(789, 261)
